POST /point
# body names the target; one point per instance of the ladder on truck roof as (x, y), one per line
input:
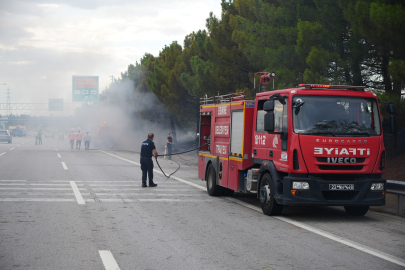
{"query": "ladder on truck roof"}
(223, 98)
(340, 87)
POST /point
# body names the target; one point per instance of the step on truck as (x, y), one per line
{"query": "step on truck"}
(307, 145)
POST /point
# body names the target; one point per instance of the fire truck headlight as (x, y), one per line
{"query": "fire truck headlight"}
(300, 185)
(377, 186)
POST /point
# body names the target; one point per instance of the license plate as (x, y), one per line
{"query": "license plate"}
(341, 187)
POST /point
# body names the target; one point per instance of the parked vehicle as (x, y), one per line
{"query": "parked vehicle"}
(18, 132)
(5, 136)
(305, 145)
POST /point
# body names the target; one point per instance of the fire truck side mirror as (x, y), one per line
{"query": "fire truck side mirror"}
(268, 105)
(269, 121)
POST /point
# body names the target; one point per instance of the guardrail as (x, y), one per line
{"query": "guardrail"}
(397, 188)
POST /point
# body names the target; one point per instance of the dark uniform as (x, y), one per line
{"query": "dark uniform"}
(169, 146)
(146, 160)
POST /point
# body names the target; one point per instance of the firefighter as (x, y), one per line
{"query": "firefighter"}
(148, 150)
(36, 136)
(79, 137)
(40, 137)
(72, 139)
(169, 145)
(87, 140)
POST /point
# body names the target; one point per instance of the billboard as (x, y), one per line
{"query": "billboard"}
(55, 104)
(84, 88)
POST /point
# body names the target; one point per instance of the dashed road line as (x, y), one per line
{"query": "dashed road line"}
(12, 148)
(108, 260)
(320, 232)
(35, 200)
(64, 165)
(59, 155)
(33, 184)
(31, 188)
(76, 191)
(56, 149)
(2, 154)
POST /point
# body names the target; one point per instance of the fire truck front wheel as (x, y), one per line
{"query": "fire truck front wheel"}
(357, 210)
(212, 187)
(269, 205)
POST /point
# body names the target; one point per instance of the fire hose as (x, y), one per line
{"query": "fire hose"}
(183, 158)
(174, 154)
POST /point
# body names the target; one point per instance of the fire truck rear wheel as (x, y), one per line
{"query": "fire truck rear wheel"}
(357, 210)
(269, 205)
(212, 187)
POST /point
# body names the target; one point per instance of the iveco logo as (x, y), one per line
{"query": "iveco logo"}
(341, 160)
(340, 141)
(343, 151)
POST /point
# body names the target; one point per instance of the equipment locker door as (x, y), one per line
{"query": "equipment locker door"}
(236, 149)
(237, 132)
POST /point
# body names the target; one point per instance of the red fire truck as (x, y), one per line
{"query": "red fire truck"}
(307, 145)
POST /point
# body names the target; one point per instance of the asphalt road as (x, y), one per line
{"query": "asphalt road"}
(71, 209)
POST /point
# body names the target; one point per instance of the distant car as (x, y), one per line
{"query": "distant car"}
(5, 136)
(49, 133)
(18, 132)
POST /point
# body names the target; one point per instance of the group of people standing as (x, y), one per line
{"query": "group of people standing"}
(38, 137)
(79, 137)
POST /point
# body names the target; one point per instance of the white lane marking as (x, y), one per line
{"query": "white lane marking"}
(12, 148)
(34, 180)
(148, 200)
(33, 184)
(35, 200)
(133, 189)
(64, 166)
(59, 155)
(118, 185)
(18, 145)
(130, 161)
(31, 188)
(56, 149)
(76, 191)
(333, 237)
(2, 154)
(108, 260)
(149, 194)
(37, 193)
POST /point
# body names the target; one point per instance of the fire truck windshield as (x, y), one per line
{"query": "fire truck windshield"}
(333, 116)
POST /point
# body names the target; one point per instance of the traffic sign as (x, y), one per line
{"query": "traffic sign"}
(85, 88)
(55, 104)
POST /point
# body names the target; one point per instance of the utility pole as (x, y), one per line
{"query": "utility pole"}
(8, 101)
(112, 78)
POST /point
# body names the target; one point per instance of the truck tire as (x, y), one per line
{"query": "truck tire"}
(267, 191)
(212, 187)
(357, 210)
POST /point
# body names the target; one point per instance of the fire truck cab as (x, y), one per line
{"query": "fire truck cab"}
(307, 145)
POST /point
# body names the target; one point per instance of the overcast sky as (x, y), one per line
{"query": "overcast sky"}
(44, 42)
